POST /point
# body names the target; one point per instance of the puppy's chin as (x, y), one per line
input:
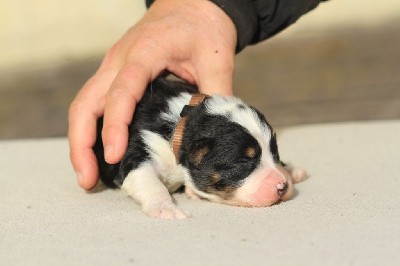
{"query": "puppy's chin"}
(241, 203)
(256, 192)
(263, 198)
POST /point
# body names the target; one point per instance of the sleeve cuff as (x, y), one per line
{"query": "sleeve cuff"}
(244, 16)
(148, 3)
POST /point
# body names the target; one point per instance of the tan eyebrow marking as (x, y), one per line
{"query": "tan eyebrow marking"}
(250, 152)
(199, 155)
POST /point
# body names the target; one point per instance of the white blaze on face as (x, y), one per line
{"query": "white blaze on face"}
(238, 112)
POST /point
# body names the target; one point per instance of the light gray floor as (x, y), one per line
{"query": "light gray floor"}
(346, 213)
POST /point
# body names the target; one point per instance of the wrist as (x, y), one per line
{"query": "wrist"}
(240, 12)
(244, 16)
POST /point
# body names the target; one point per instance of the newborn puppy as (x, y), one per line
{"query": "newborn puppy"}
(218, 148)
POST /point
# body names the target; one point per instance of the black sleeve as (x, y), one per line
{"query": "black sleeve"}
(257, 20)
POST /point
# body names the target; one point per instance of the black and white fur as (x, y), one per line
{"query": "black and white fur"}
(228, 154)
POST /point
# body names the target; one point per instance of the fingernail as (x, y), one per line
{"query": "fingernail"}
(108, 151)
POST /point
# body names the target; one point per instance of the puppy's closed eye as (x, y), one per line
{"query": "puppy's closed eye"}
(197, 156)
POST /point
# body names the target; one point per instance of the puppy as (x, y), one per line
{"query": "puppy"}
(218, 148)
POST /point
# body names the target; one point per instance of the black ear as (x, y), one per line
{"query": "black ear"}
(198, 150)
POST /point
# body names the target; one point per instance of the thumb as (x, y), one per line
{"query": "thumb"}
(217, 77)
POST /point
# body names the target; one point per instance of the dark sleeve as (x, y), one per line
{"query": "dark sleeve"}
(257, 20)
(275, 15)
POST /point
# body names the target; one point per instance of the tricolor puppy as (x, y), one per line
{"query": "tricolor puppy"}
(218, 148)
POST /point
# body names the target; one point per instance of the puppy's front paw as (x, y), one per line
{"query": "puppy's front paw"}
(298, 175)
(165, 209)
(191, 194)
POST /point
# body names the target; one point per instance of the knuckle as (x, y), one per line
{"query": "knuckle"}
(125, 86)
(93, 80)
(75, 108)
(112, 55)
(107, 128)
(109, 131)
(85, 93)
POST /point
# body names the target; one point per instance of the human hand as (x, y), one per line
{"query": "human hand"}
(194, 39)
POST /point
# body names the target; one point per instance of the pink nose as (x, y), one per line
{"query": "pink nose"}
(282, 188)
(270, 189)
(277, 179)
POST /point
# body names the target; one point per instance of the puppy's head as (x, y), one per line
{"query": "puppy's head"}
(232, 156)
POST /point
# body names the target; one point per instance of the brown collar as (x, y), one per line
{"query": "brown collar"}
(196, 99)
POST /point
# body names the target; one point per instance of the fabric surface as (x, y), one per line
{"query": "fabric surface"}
(346, 213)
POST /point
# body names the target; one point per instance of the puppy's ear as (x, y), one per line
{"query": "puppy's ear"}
(199, 150)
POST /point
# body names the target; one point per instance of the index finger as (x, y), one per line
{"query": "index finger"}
(125, 92)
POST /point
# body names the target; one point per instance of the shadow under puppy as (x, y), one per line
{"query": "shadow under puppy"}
(219, 148)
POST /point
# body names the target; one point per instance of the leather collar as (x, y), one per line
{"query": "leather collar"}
(196, 99)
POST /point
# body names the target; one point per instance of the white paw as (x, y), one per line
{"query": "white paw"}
(191, 194)
(165, 210)
(298, 175)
